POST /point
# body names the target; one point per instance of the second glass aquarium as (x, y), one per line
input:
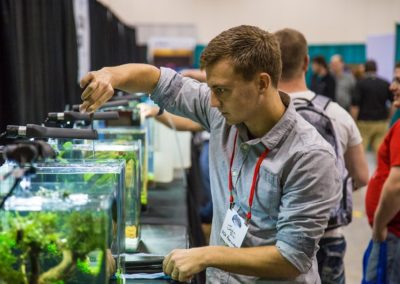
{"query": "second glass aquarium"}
(124, 134)
(129, 152)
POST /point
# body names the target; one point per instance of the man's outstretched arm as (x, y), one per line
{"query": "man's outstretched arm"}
(99, 85)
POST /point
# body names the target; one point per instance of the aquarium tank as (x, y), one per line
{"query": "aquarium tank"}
(121, 134)
(129, 151)
(105, 177)
(56, 233)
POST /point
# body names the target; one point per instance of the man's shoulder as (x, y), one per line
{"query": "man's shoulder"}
(329, 76)
(341, 120)
(384, 81)
(306, 139)
(349, 77)
(334, 110)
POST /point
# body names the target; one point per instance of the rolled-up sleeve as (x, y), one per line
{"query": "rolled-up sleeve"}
(311, 190)
(183, 96)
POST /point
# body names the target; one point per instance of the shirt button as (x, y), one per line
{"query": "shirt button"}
(244, 147)
(234, 173)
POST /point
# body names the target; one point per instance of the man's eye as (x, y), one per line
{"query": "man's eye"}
(219, 91)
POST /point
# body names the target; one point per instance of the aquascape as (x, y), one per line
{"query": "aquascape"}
(52, 236)
(127, 151)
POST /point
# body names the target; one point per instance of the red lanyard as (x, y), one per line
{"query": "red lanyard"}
(255, 177)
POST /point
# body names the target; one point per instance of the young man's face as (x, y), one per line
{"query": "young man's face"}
(236, 98)
(395, 87)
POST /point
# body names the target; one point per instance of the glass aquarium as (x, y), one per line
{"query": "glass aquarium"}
(56, 233)
(99, 177)
(121, 134)
(128, 151)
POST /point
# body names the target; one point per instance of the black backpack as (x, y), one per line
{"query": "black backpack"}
(314, 111)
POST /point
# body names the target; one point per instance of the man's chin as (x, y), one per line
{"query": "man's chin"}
(230, 122)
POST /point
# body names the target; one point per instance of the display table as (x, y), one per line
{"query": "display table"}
(164, 226)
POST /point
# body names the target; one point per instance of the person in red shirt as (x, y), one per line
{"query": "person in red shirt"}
(383, 193)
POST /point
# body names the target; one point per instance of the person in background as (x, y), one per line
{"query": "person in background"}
(322, 82)
(383, 198)
(345, 82)
(199, 75)
(295, 61)
(267, 164)
(396, 114)
(170, 120)
(370, 107)
(358, 72)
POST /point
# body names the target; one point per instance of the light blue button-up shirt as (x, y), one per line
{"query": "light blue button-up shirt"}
(298, 182)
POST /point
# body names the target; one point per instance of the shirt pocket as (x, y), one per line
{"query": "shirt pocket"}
(267, 196)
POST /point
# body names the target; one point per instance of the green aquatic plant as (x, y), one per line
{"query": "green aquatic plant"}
(22, 241)
(61, 153)
(45, 247)
(68, 151)
(7, 260)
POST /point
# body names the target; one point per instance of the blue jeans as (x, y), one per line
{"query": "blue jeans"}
(392, 264)
(330, 260)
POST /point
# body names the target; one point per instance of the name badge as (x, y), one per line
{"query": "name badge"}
(234, 229)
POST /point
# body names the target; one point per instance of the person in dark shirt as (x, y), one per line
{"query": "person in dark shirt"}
(370, 106)
(322, 82)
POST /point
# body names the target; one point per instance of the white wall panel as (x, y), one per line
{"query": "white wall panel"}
(322, 21)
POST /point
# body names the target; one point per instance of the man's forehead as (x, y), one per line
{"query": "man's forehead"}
(221, 74)
(216, 80)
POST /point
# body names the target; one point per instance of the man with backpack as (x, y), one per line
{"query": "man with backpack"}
(339, 129)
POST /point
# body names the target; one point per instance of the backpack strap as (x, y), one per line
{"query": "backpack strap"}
(321, 101)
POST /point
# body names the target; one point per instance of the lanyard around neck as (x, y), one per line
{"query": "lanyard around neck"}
(254, 182)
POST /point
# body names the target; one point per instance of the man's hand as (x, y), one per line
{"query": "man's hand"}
(183, 264)
(98, 90)
(148, 110)
(379, 234)
(110, 263)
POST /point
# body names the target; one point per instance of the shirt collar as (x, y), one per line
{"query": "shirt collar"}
(309, 95)
(280, 130)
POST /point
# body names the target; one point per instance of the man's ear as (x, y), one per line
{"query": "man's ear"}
(264, 82)
(306, 62)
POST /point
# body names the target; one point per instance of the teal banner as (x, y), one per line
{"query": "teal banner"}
(351, 53)
(397, 52)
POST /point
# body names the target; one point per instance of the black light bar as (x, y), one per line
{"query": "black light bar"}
(37, 131)
(75, 116)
